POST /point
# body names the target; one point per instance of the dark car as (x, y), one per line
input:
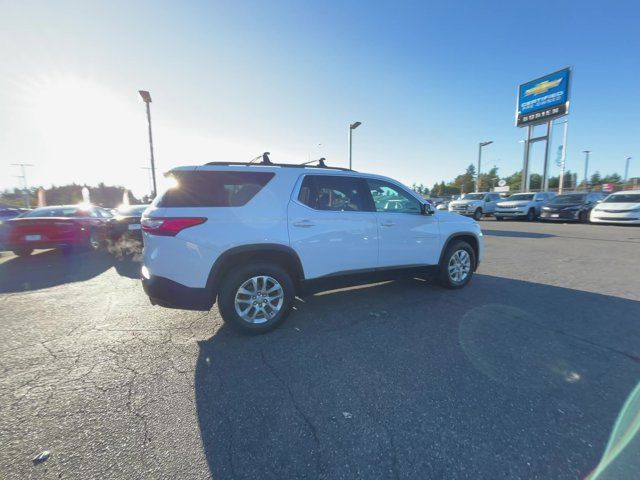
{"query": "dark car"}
(126, 223)
(571, 207)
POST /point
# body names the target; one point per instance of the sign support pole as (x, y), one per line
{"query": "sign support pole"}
(545, 174)
(564, 157)
(524, 184)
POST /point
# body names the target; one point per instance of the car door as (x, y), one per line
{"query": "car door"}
(407, 236)
(332, 225)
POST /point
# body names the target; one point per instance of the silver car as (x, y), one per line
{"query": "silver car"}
(523, 205)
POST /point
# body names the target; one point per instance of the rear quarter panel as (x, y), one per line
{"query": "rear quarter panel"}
(188, 257)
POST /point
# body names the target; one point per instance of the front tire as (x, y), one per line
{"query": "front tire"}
(23, 252)
(499, 218)
(583, 217)
(531, 215)
(457, 265)
(477, 215)
(256, 299)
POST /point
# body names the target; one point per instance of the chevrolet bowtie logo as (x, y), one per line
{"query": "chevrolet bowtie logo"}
(542, 87)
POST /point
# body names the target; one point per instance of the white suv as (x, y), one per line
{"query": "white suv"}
(253, 236)
(476, 205)
(523, 205)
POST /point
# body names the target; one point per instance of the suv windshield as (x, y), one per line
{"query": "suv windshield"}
(566, 199)
(623, 198)
(521, 197)
(474, 196)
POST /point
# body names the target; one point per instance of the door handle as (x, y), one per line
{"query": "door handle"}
(303, 223)
(388, 223)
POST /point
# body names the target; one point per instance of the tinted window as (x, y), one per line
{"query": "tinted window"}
(334, 193)
(392, 199)
(522, 197)
(623, 198)
(214, 189)
(56, 212)
(569, 199)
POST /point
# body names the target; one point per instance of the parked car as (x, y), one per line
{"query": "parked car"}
(476, 205)
(571, 207)
(523, 205)
(620, 207)
(252, 236)
(63, 226)
(126, 223)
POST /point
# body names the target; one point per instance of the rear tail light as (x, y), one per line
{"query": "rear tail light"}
(169, 227)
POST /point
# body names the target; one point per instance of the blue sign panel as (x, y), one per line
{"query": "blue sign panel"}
(543, 99)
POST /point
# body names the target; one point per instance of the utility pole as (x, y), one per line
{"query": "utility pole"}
(25, 188)
(146, 98)
(586, 167)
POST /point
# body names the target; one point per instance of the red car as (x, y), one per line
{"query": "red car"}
(64, 226)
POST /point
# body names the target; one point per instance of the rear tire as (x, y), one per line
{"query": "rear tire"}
(457, 265)
(23, 252)
(477, 215)
(499, 218)
(272, 308)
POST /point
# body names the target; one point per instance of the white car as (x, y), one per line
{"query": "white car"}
(620, 207)
(252, 236)
(476, 205)
(523, 205)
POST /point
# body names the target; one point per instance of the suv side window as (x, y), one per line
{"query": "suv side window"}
(391, 199)
(334, 193)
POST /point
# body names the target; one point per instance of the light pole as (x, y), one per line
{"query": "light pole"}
(352, 127)
(480, 145)
(626, 169)
(586, 167)
(25, 188)
(146, 98)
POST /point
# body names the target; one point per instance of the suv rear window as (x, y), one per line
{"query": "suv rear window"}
(214, 189)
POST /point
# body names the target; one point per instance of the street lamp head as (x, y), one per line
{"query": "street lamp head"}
(355, 125)
(484, 144)
(146, 96)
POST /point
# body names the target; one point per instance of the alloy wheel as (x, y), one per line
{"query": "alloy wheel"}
(259, 299)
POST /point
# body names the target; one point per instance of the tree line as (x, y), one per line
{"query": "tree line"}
(108, 196)
(465, 182)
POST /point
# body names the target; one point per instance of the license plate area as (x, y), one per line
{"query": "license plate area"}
(32, 238)
(134, 226)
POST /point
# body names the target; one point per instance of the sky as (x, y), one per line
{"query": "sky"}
(230, 80)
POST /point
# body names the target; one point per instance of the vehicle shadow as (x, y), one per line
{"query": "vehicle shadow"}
(513, 233)
(49, 268)
(504, 379)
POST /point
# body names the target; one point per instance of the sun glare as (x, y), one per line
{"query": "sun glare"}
(87, 128)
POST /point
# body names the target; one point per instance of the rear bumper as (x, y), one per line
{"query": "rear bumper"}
(167, 293)
(39, 245)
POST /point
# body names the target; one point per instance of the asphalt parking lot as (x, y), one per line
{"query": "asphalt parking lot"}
(520, 375)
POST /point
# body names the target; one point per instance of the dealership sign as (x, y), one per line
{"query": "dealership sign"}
(543, 99)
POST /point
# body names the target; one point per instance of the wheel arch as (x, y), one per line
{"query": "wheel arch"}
(468, 237)
(282, 255)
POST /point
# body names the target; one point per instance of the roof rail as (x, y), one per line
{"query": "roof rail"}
(285, 165)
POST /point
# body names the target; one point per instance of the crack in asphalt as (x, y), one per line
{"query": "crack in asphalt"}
(298, 409)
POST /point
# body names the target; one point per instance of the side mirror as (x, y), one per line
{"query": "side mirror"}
(427, 209)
